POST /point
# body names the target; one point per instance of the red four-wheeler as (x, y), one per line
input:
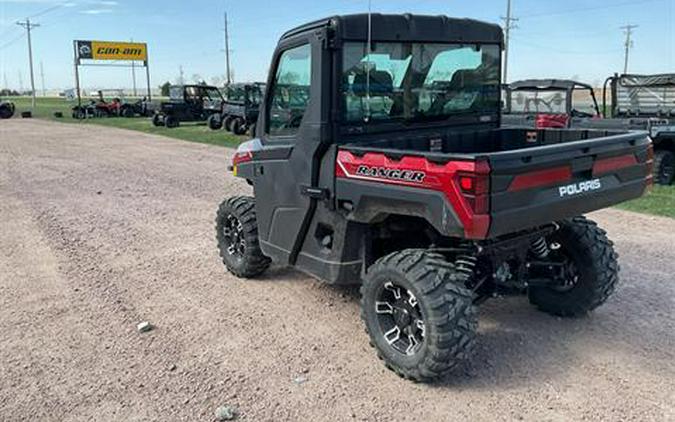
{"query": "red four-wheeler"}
(395, 174)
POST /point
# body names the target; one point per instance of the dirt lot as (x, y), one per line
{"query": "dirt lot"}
(103, 228)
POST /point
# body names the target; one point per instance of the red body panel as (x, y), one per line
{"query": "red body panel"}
(554, 121)
(439, 177)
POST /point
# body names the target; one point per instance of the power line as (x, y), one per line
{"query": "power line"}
(12, 41)
(28, 26)
(628, 44)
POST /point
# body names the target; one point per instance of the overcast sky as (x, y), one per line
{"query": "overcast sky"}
(556, 38)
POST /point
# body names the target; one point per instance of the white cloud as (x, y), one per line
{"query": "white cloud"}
(95, 11)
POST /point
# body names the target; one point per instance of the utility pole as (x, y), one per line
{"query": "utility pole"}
(628, 30)
(181, 79)
(20, 82)
(42, 77)
(133, 74)
(28, 26)
(228, 75)
(509, 24)
(4, 80)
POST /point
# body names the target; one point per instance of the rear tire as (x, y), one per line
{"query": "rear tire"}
(237, 236)
(171, 122)
(157, 120)
(215, 122)
(228, 123)
(127, 112)
(6, 112)
(238, 126)
(664, 167)
(590, 251)
(432, 308)
(251, 130)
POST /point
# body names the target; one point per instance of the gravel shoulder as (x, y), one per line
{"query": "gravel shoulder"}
(104, 228)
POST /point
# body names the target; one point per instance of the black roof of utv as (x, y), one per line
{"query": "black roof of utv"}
(547, 84)
(406, 27)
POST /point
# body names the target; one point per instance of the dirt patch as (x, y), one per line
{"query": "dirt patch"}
(105, 228)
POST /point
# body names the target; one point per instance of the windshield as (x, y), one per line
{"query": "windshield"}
(539, 101)
(418, 81)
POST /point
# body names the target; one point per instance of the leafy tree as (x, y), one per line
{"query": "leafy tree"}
(164, 89)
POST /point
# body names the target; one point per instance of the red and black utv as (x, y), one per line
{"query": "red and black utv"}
(394, 173)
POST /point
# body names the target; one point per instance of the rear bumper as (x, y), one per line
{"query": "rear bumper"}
(545, 206)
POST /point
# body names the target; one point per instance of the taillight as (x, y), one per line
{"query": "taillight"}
(475, 187)
(240, 157)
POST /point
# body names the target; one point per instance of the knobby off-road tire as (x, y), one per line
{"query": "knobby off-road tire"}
(215, 122)
(444, 305)
(238, 126)
(593, 255)
(664, 167)
(227, 124)
(237, 236)
(157, 120)
(251, 130)
(171, 122)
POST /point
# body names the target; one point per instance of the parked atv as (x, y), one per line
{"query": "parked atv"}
(142, 108)
(85, 111)
(398, 177)
(188, 103)
(7, 109)
(240, 109)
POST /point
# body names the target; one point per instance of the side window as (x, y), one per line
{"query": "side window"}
(290, 91)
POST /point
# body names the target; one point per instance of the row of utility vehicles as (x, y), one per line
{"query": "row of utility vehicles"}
(629, 102)
(380, 160)
(236, 111)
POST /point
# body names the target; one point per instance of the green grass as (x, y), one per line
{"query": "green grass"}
(660, 201)
(193, 132)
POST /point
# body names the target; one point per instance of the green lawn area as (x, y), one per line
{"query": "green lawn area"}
(660, 201)
(193, 132)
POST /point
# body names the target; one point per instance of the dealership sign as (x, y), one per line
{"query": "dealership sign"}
(111, 50)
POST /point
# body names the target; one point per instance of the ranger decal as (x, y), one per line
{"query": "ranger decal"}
(391, 174)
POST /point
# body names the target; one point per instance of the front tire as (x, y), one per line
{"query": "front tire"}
(237, 236)
(664, 167)
(594, 270)
(215, 122)
(171, 122)
(420, 317)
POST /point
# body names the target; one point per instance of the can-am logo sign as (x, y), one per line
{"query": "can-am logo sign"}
(579, 188)
(111, 50)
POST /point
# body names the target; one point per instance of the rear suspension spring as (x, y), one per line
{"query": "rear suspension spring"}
(540, 248)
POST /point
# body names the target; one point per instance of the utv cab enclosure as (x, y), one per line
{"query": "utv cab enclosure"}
(553, 103)
(383, 164)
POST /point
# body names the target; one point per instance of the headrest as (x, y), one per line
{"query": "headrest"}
(381, 83)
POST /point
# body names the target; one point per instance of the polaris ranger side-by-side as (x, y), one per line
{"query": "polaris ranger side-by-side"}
(394, 173)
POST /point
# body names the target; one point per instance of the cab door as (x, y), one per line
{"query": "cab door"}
(291, 125)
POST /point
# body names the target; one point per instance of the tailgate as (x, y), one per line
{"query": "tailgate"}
(538, 185)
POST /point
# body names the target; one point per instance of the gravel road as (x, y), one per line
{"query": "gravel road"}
(102, 228)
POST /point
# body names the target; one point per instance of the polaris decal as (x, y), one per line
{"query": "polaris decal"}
(579, 188)
(391, 174)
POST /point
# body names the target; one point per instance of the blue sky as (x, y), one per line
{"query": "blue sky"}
(556, 38)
